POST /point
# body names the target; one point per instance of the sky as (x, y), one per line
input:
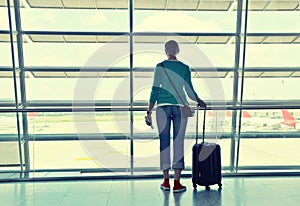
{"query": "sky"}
(220, 55)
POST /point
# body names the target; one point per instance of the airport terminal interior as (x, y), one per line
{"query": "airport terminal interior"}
(75, 82)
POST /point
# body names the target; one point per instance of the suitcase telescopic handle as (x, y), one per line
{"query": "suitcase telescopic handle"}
(197, 124)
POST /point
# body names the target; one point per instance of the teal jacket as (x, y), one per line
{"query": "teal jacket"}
(162, 90)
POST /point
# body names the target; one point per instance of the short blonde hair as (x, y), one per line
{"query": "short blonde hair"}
(171, 48)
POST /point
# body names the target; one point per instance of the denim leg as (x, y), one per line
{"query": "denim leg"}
(163, 119)
(179, 127)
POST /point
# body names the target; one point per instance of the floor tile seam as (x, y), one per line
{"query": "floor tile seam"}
(207, 200)
(108, 197)
(69, 191)
(65, 196)
(106, 203)
(211, 202)
(200, 193)
(45, 192)
(47, 198)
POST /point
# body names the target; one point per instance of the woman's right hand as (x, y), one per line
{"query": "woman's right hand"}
(201, 103)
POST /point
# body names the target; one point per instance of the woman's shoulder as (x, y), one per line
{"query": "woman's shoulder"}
(183, 65)
(174, 62)
(159, 64)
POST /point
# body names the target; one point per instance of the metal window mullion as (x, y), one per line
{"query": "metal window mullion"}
(22, 83)
(131, 7)
(236, 80)
(15, 85)
(242, 86)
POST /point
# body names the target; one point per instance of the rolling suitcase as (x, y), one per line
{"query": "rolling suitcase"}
(206, 166)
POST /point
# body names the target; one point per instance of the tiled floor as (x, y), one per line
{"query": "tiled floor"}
(265, 191)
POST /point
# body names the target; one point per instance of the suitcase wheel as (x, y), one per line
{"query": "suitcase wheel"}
(207, 188)
(194, 185)
(220, 185)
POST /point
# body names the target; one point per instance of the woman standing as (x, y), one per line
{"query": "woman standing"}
(169, 109)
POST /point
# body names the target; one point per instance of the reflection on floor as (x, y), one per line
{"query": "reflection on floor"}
(273, 191)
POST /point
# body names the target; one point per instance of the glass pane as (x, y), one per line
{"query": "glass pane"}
(142, 88)
(4, 22)
(212, 90)
(275, 19)
(270, 121)
(219, 55)
(146, 155)
(10, 159)
(6, 81)
(89, 88)
(8, 124)
(101, 124)
(149, 19)
(271, 88)
(272, 55)
(140, 129)
(76, 54)
(5, 48)
(84, 154)
(87, 19)
(269, 152)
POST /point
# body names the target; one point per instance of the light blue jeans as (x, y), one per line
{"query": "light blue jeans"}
(164, 116)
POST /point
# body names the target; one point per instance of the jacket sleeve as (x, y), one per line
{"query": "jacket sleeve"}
(156, 85)
(188, 86)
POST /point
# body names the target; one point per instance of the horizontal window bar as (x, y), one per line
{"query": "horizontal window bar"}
(272, 34)
(4, 69)
(110, 136)
(73, 33)
(149, 69)
(120, 109)
(4, 32)
(272, 69)
(181, 34)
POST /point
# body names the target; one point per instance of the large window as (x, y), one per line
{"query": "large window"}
(84, 70)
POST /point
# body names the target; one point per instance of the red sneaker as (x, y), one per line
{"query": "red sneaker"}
(178, 187)
(165, 185)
